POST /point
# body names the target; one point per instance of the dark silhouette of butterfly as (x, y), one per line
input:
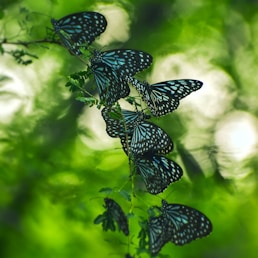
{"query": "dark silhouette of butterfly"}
(113, 213)
(177, 223)
(164, 97)
(79, 29)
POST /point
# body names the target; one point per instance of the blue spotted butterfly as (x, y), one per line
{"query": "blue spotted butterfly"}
(110, 85)
(140, 135)
(79, 29)
(177, 223)
(113, 213)
(158, 172)
(164, 97)
(118, 63)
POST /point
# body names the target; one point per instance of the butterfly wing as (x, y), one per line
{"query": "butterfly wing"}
(158, 172)
(177, 88)
(148, 137)
(115, 126)
(110, 85)
(126, 61)
(78, 29)
(164, 97)
(185, 223)
(158, 235)
(121, 122)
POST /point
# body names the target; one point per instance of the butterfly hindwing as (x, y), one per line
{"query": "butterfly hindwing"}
(79, 29)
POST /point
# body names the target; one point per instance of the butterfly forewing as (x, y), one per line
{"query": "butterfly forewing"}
(158, 172)
(126, 61)
(79, 29)
(185, 223)
(177, 88)
(118, 215)
(110, 85)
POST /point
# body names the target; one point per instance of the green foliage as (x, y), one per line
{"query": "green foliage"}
(52, 168)
(20, 55)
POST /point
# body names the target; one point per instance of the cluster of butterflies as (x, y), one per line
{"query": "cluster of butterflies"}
(176, 223)
(144, 142)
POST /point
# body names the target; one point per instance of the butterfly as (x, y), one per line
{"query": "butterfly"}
(158, 172)
(111, 87)
(177, 223)
(186, 223)
(141, 136)
(126, 61)
(113, 213)
(117, 214)
(117, 63)
(79, 29)
(164, 97)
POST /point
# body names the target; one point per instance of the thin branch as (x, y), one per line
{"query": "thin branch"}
(27, 43)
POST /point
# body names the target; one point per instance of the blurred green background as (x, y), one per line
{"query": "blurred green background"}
(55, 155)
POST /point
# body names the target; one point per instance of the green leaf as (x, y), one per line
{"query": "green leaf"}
(99, 219)
(106, 190)
(125, 194)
